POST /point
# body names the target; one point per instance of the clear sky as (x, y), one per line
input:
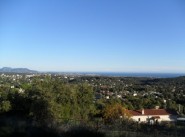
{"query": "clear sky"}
(93, 35)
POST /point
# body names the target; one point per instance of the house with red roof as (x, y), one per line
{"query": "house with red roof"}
(153, 115)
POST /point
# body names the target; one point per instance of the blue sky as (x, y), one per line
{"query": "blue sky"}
(93, 35)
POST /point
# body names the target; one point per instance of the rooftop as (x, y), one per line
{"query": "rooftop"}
(152, 112)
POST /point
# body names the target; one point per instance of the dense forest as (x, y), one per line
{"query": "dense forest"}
(48, 100)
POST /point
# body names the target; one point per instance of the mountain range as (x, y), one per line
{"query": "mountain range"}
(16, 70)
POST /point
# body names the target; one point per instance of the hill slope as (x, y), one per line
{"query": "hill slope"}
(17, 70)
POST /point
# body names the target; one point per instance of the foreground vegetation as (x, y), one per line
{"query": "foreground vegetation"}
(56, 105)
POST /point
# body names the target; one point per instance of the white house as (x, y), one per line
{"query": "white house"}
(153, 115)
(21, 90)
(12, 86)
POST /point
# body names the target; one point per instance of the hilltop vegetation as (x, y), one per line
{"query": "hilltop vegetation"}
(48, 100)
(90, 94)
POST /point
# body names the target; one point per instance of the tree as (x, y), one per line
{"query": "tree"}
(84, 98)
(114, 112)
(5, 106)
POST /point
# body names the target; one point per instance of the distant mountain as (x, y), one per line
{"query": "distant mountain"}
(17, 70)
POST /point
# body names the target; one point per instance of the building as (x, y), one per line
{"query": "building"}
(153, 115)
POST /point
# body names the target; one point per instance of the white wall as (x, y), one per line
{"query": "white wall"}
(143, 118)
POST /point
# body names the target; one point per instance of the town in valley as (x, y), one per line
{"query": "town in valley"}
(104, 101)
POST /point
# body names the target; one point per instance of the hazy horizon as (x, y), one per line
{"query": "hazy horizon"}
(93, 36)
(111, 73)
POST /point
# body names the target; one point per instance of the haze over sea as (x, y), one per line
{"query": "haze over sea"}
(128, 74)
(154, 75)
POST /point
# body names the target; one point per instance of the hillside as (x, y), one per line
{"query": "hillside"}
(16, 70)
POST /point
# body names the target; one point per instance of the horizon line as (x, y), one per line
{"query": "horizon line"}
(99, 71)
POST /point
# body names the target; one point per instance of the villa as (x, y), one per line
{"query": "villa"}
(153, 115)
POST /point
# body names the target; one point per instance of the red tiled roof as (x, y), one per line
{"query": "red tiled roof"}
(152, 112)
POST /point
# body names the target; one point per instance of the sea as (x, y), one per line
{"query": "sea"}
(125, 74)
